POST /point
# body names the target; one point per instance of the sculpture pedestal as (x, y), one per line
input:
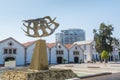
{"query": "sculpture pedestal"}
(40, 75)
(39, 59)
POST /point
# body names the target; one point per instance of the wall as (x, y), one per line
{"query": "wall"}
(71, 56)
(19, 56)
(53, 55)
(29, 54)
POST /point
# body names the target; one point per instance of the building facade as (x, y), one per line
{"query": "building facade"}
(58, 53)
(10, 49)
(82, 51)
(70, 36)
(89, 50)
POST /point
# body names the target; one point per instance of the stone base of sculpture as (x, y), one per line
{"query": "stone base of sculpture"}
(39, 59)
(40, 75)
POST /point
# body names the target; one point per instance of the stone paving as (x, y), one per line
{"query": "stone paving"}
(114, 76)
(91, 69)
(88, 69)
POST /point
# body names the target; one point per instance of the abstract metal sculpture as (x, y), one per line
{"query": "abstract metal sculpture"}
(40, 27)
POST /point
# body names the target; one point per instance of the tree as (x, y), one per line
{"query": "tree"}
(104, 55)
(103, 38)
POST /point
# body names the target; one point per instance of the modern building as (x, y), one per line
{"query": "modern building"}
(70, 36)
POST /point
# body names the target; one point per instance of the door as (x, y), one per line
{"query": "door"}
(10, 62)
(59, 60)
(76, 59)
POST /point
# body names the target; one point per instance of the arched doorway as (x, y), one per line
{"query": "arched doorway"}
(10, 62)
(76, 59)
(59, 60)
(9, 59)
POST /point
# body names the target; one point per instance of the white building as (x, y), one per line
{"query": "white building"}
(115, 55)
(58, 53)
(10, 49)
(70, 36)
(29, 47)
(87, 46)
(75, 53)
(90, 53)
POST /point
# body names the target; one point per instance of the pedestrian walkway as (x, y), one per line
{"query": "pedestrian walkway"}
(114, 76)
(87, 69)
(92, 69)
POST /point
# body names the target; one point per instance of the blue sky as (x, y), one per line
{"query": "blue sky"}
(83, 14)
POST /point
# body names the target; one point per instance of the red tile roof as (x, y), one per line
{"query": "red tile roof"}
(28, 43)
(50, 45)
(68, 46)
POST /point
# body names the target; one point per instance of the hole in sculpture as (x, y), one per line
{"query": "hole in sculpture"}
(48, 30)
(31, 32)
(39, 25)
(40, 32)
(32, 25)
(52, 26)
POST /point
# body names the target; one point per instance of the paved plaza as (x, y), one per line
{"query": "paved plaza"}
(92, 69)
(114, 76)
(87, 69)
